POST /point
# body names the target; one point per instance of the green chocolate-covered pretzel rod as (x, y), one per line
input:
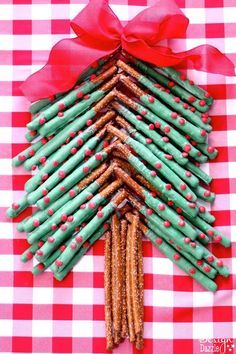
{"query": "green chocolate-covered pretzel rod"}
(185, 175)
(181, 261)
(174, 88)
(41, 215)
(87, 231)
(76, 176)
(204, 194)
(72, 163)
(182, 80)
(199, 263)
(85, 247)
(17, 208)
(180, 107)
(29, 152)
(69, 208)
(69, 130)
(162, 209)
(164, 112)
(209, 151)
(166, 146)
(155, 163)
(66, 101)
(198, 172)
(78, 218)
(69, 149)
(156, 123)
(179, 201)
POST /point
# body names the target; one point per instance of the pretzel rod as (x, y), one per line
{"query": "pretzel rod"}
(166, 96)
(66, 132)
(156, 204)
(151, 132)
(179, 170)
(182, 80)
(175, 89)
(31, 135)
(41, 215)
(154, 161)
(85, 247)
(42, 121)
(130, 317)
(67, 150)
(74, 177)
(216, 263)
(123, 235)
(170, 149)
(68, 208)
(140, 280)
(89, 229)
(178, 259)
(107, 290)
(72, 163)
(27, 153)
(134, 275)
(209, 151)
(215, 234)
(156, 182)
(167, 230)
(164, 112)
(199, 172)
(117, 277)
(17, 208)
(204, 194)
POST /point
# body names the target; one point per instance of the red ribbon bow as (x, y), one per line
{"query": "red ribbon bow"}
(100, 33)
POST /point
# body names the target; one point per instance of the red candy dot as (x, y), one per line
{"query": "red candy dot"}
(157, 125)
(167, 129)
(181, 223)
(89, 122)
(168, 157)
(210, 149)
(148, 140)
(55, 163)
(168, 186)
(189, 196)
(51, 239)
(191, 99)
(15, 206)
(63, 227)
(98, 157)
(29, 255)
(199, 262)
(181, 121)
(149, 211)
(177, 99)
(174, 115)
(61, 106)
(64, 218)
(158, 165)
(44, 177)
(192, 109)
(188, 174)
(217, 238)
(161, 207)
(73, 151)
(165, 139)
(159, 240)
(171, 84)
(193, 244)
(183, 77)
(167, 223)
(61, 174)
(79, 94)
(207, 194)
(179, 210)
(50, 212)
(58, 263)
(185, 106)
(92, 205)
(170, 203)
(62, 188)
(191, 82)
(44, 192)
(85, 169)
(207, 268)
(187, 240)
(39, 253)
(36, 222)
(183, 186)
(46, 200)
(153, 173)
(99, 214)
(21, 157)
(70, 218)
(210, 233)
(42, 121)
(88, 152)
(53, 227)
(139, 117)
(201, 236)
(192, 271)
(82, 206)
(151, 126)
(187, 147)
(219, 263)
(79, 239)
(62, 248)
(151, 99)
(203, 132)
(72, 193)
(202, 103)
(176, 257)
(31, 153)
(210, 259)
(60, 114)
(144, 112)
(73, 245)
(80, 142)
(90, 196)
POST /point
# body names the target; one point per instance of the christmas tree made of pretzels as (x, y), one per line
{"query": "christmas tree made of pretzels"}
(120, 155)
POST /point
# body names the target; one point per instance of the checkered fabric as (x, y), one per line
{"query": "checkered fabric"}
(41, 315)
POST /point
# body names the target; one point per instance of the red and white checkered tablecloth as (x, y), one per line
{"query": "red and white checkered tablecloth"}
(41, 315)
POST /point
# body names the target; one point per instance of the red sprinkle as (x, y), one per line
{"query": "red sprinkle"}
(179, 210)
(92, 205)
(192, 271)
(62, 188)
(36, 222)
(183, 186)
(46, 200)
(203, 132)
(202, 209)
(177, 99)
(217, 238)
(188, 174)
(187, 147)
(158, 165)
(210, 149)
(139, 117)
(42, 121)
(176, 256)
(44, 191)
(15, 206)
(72, 193)
(151, 99)
(60, 114)
(89, 122)
(99, 214)
(151, 126)
(202, 103)
(185, 106)
(174, 115)
(63, 227)
(61, 174)
(168, 186)
(219, 263)
(148, 140)
(191, 99)
(189, 196)
(51, 239)
(85, 169)
(167, 129)
(183, 77)
(53, 227)
(181, 223)
(210, 259)
(79, 94)
(153, 173)
(73, 246)
(29, 255)
(98, 157)
(149, 211)
(167, 223)
(171, 84)
(58, 263)
(210, 233)
(187, 240)
(159, 240)
(31, 153)
(73, 150)
(70, 218)
(193, 244)
(168, 157)
(50, 212)
(181, 121)
(80, 142)
(207, 268)
(161, 207)
(39, 253)
(207, 194)
(55, 163)
(64, 218)
(144, 112)
(157, 125)
(79, 239)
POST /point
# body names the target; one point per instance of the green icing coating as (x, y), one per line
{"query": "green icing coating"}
(190, 179)
(177, 91)
(27, 153)
(205, 149)
(70, 114)
(216, 263)
(182, 262)
(204, 194)
(199, 172)
(187, 84)
(68, 166)
(172, 133)
(71, 179)
(56, 142)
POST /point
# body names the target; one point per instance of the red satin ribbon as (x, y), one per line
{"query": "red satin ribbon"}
(100, 33)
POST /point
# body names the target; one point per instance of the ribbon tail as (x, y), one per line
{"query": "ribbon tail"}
(204, 58)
